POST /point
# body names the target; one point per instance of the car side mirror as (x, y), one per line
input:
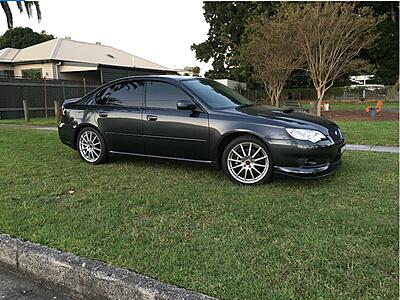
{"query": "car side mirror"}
(186, 105)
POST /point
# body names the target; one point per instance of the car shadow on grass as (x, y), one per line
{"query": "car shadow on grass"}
(180, 166)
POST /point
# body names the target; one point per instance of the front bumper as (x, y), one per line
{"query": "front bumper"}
(306, 160)
(310, 172)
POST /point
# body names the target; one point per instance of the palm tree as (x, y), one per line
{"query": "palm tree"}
(28, 5)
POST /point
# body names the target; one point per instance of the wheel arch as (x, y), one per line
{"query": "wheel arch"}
(230, 136)
(80, 127)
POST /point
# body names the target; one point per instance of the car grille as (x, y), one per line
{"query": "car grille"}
(336, 135)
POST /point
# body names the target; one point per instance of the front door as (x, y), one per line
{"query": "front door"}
(170, 132)
(119, 116)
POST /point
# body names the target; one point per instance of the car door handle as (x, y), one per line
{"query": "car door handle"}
(103, 114)
(151, 118)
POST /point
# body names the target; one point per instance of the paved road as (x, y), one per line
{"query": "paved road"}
(15, 287)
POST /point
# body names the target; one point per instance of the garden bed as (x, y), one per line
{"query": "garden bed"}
(360, 115)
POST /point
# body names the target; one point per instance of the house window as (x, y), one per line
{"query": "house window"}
(32, 73)
(7, 74)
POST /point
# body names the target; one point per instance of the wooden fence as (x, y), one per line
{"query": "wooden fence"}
(40, 95)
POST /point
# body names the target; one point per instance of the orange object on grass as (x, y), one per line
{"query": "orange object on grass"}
(378, 106)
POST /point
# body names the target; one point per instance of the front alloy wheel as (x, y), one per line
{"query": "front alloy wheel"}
(246, 160)
(91, 146)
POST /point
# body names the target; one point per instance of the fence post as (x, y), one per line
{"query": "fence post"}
(57, 110)
(63, 89)
(84, 86)
(45, 96)
(26, 111)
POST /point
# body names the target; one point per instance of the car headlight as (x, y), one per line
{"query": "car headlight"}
(306, 134)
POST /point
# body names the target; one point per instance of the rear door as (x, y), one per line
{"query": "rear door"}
(119, 115)
(170, 132)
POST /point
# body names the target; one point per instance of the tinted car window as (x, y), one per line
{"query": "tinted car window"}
(128, 93)
(163, 95)
(215, 94)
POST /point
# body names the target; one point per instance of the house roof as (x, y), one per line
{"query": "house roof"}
(74, 51)
(8, 54)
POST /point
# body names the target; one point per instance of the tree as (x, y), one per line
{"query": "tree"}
(330, 36)
(269, 47)
(384, 56)
(22, 37)
(196, 71)
(28, 7)
(227, 23)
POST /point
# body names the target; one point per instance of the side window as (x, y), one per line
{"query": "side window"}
(163, 95)
(128, 93)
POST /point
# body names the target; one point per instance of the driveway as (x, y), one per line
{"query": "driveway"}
(15, 287)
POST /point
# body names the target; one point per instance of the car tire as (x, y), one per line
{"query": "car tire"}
(91, 146)
(246, 160)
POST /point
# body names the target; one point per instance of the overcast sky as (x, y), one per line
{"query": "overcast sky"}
(160, 31)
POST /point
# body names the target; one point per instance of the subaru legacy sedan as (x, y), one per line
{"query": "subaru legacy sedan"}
(200, 121)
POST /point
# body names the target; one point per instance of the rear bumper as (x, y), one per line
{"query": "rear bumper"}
(66, 134)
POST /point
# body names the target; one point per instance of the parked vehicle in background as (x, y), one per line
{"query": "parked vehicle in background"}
(200, 121)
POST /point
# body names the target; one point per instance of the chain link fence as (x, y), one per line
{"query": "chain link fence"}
(387, 93)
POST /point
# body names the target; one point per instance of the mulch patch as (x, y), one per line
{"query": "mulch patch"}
(358, 115)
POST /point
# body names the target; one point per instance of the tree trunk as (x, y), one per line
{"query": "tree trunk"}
(273, 99)
(278, 95)
(320, 96)
(269, 93)
(274, 93)
(314, 105)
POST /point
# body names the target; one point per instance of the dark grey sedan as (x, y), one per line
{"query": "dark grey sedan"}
(200, 121)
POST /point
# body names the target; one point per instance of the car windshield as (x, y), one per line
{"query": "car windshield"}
(215, 94)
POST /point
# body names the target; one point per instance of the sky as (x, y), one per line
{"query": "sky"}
(160, 31)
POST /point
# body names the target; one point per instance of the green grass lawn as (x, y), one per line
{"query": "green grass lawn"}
(33, 121)
(326, 239)
(384, 133)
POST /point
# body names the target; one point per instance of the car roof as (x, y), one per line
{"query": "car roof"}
(173, 77)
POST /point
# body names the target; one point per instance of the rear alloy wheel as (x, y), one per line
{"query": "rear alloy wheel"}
(91, 146)
(246, 160)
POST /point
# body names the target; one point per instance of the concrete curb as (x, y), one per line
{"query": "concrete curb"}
(84, 278)
(372, 148)
(29, 127)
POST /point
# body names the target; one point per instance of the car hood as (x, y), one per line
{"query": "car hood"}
(288, 117)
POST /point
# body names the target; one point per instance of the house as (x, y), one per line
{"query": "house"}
(64, 58)
(360, 82)
(233, 84)
(186, 71)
